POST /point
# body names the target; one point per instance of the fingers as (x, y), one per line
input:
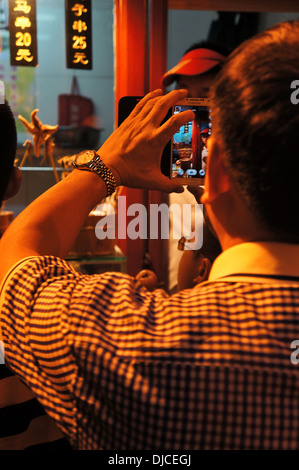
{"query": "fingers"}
(162, 183)
(155, 105)
(163, 105)
(172, 125)
(148, 100)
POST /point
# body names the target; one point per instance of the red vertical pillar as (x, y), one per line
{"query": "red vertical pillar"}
(131, 69)
(158, 249)
(158, 42)
(141, 60)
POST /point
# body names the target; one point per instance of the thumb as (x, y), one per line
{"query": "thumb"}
(178, 189)
(169, 186)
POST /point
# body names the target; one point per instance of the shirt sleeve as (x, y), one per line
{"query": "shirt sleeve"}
(53, 318)
(119, 367)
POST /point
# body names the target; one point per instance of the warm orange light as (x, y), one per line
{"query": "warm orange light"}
(22, 26)
(78, 34)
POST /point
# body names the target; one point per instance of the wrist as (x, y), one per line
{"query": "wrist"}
(113, 170)
(94, 187)
(115, 174)
(90, 160)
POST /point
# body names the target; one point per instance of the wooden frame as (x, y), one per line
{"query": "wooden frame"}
(235, 5)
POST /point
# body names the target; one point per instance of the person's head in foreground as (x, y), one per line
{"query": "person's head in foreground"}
(195, 265)
(10, 176)
(251, 187)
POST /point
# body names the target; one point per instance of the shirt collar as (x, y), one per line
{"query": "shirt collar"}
(269, 258)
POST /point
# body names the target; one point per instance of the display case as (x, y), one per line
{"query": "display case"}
(115, 261)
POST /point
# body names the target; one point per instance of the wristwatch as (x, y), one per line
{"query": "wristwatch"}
(91, 161)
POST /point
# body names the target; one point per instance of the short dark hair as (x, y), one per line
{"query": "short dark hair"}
(8, 145)
(258, 125)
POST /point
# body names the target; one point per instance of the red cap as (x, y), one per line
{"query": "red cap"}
(194, 62)
(205, 131)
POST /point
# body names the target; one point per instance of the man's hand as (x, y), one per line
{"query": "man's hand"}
(51, 223)
(133, 152)
(148, 279)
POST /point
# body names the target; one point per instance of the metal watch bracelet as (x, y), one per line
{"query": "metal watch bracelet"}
(99, 167)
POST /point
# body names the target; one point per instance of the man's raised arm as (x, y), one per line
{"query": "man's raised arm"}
(50, 224)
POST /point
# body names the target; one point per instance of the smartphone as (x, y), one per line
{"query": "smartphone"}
(189, 144)
(185, 155)
(126, 105)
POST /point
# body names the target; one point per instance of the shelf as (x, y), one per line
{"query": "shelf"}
(116, 262)
(235, 5)
(39, 168)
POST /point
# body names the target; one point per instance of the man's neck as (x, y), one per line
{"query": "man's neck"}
(254, 236)
(235, 224)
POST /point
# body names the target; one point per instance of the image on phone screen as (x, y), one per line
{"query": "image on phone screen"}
(189, 152)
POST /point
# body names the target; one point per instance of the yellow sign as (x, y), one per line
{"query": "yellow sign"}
(22, 30)
(78, 34)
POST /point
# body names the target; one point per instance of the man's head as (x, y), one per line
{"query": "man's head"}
(257, 128)
(9, 175)
(197, 68)
(205, 135)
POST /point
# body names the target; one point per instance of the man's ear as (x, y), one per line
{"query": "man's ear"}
(204, 268)
(216, 180)
(13, 184)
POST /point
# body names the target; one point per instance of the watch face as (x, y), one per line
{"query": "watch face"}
(84, 157)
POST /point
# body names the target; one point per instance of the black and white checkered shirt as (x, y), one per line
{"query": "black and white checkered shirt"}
(121, 368)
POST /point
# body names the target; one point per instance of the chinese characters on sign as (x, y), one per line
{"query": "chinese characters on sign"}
(78, 34)
(22, 27)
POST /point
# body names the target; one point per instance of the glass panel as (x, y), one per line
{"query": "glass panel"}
(29, 88)
(186, 27)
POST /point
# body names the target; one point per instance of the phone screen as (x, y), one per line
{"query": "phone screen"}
(189, 144)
